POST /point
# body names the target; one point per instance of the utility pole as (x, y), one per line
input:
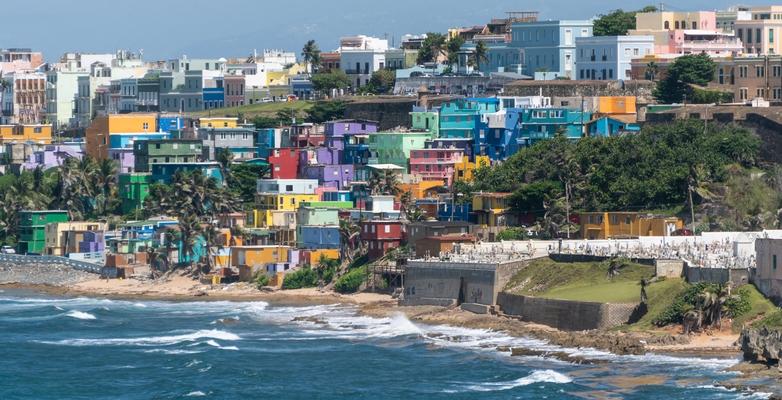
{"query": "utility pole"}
(692, 209)
(567, 207)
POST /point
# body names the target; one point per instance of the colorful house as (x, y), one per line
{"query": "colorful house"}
(463, 118)
(253, 259)
(535, 125)
(32, 229)
(491, 209)
(150, 152)
(465, 169)
(318, 237)
(64, 238)
(284, 163)
(133, 190)
(102, 127)
(425, 120)
(381, 236)
(337, 176)
(436, 164)
(162, 173)
(394, 147)
(337, 132)
(616, 225)
(25, 133)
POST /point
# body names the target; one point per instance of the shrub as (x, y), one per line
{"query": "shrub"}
(261, 280)
(351, 282)
(303, 278)
(733, 307)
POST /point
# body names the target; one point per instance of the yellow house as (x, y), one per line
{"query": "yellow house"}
(464, 170)
(97, 134)
(63, 238)
(253, 259)
(218, 122)
(272, 209)
(41, 134)
(312, 257)
(616, 225)
(419, 190)
(491, 209)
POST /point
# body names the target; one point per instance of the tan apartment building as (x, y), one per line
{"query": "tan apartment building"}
(760, 34)
(750, 78)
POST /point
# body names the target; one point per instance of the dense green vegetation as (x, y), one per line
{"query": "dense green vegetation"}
(250, 111)
(351, 281)
(302, 278)
(685, 81)
(617, 22)
(652, 170)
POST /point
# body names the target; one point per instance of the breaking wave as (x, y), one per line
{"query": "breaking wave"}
(538, 376)
(80, 315)
(150, 341)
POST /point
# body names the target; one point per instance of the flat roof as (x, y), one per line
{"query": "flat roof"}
(384, 166)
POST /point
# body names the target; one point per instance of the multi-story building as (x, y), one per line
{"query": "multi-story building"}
(760, 34)
(337, 176)
(234, 85)
(65, 238)
(615, 225)
(25, 133)
(539, 124)
(463, 118)
(336, 131)
(162, 173)
(608, 57)
(436, 164)
(32, 229)
(423, 119)
(149, 152)
(307, 134)
(277, 200)
(394, 147)
(361, 56)
(98, 134)
(284, 162)
(239, 140)
(750, 77)
(24, 98)
(680, 32)
(133, 190)
(549, 46)
(20, 59)
(381, 236)
(492, 210)
(62, 87)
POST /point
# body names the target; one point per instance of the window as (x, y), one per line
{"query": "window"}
(774, 261)
(758, 36)
(676, 24)
(146, 125)
(667, 25)
(742, 93)
(749, 36)
(761, 92)
(387, 228)
(760, 71)
(777, 93)
(742, 71)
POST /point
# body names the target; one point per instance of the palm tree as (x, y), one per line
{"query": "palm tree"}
(311, 54)
(349, 240)
(480, 55)
(211, 236)
(225, 157)
(106, 180)
(189, 233)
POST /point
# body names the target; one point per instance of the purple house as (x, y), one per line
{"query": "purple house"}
(337, 176)
(328, 156)
(125, 159)
(52, 156)
(335, 131)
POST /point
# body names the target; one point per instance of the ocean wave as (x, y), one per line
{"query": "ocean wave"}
(80, 315)
(538, 376)
(173, 351)
(151, 341)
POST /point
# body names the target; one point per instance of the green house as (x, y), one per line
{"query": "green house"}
(426, 121)
(133, 189)
(394, 147)
(32, 229)
(150, 152)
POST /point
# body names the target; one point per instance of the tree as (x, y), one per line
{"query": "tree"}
(431, 48)
(263, 122)
(381, 82)
(617, 22)
(349, 240)
(225, 158)
(189, 233)
(452, 47)
(651, 71)
(685, 71)
(385, 182)
(287, 115)
(323, 111)
(311, 55)
(328, 81)
(480, 55)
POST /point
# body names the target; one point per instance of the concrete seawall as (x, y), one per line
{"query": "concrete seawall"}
(566, 315)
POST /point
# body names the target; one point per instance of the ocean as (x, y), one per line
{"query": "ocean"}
(84, 348)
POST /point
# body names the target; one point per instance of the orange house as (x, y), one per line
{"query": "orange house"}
(97, 134)
(23, 133)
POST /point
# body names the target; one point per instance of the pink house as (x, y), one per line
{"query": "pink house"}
(234, 89)
(682, 32)
(435, 164)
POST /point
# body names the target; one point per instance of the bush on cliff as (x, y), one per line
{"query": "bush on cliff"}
(351, 282)
(733, 307)
(303, 278)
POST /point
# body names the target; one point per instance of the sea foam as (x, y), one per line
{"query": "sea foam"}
(538, 376)
(80, 315)
(152, 340)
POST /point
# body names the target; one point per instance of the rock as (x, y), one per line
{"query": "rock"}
(762, 345)
(504, 349)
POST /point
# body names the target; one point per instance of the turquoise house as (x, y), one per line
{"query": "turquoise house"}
(544, 123)
(162, 173)
(462, 118)
(608, 126)
(175, 247)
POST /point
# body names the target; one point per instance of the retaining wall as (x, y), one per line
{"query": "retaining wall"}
(739, 276)
(566, 315)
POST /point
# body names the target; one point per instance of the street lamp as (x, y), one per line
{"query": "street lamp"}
(453, 203)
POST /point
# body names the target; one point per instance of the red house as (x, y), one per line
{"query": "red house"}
(381, 236)
(284, 163)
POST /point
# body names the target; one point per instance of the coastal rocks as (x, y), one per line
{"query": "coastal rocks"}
(559, 355)
(313, 320)
(762, 345)
(42, 274)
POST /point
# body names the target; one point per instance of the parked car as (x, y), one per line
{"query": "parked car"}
(682, 232)
(7, 250)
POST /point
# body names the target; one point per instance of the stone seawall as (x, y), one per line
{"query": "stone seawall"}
(566, 315)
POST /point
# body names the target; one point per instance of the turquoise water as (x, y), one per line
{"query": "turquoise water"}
(81, 348)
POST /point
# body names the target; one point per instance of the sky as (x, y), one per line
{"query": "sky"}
(166, 29)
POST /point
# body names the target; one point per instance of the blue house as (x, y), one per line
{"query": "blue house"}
(356, 149)
(456, 212)
(176, 245)
(338, 195)
(609, 126)
(317, 237)
(162, 173)
(264, 141)
(214, 97)
(126, 140)
(170, 123)
(549, 46)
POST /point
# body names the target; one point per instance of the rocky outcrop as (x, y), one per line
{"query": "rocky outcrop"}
(761, 345)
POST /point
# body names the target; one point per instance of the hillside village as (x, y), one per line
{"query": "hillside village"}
(462, 168)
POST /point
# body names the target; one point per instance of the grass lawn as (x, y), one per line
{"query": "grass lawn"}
(580, 281)
(763, 311)
(661, 295)
(262, 109)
